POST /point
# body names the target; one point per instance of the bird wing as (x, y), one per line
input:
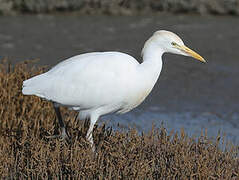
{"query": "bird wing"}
(87, 80)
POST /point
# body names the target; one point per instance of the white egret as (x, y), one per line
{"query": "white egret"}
(98, 83)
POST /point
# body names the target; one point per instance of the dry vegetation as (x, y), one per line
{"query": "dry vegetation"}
(26, 153)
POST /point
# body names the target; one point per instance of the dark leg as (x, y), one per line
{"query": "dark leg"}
(58, 114)
(63, 134)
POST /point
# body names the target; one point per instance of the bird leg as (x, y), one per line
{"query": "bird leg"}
(63, 134)
(89, 135)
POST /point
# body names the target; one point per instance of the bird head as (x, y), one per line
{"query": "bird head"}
(171, 43)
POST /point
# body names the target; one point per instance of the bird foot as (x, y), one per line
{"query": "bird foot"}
(62, 136)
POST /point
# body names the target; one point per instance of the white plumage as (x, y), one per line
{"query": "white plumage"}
(99, 83)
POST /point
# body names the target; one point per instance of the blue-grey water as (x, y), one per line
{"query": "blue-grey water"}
(188, 94)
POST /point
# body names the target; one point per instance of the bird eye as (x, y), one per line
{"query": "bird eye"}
(174, 43)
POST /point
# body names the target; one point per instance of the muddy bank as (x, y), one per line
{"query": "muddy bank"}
(117, 7)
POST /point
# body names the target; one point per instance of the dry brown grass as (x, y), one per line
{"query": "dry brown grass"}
(27, 153)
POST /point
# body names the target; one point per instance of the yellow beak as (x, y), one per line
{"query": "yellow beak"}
(192, 53)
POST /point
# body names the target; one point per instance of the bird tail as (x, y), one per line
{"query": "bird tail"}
(33, 85)
(26, 89)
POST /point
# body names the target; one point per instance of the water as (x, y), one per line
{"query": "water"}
(188, 93)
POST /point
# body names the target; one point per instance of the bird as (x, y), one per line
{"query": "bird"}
(99, 83)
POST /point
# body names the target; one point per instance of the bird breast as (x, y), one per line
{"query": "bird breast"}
(135, 99)
(141, 96)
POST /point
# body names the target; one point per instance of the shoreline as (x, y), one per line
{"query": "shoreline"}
(114, 7)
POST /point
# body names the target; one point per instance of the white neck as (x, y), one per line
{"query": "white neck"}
(152, 61)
